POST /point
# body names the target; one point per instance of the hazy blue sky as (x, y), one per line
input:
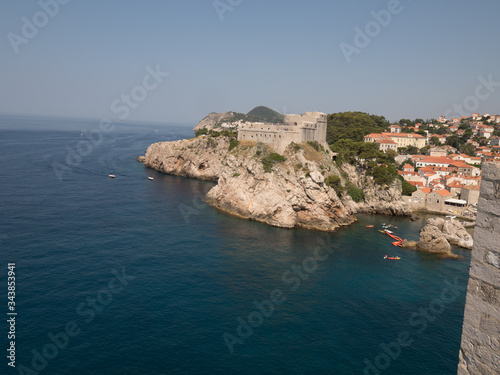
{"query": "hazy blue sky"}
(282, 54)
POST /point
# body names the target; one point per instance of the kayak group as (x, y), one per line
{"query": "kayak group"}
(398, 241)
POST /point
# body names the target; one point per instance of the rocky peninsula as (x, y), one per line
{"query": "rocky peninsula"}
(302, 188)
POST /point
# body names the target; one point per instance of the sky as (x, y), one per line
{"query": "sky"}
(175, 61)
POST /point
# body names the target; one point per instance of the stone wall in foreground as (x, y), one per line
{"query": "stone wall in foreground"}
(480, 348)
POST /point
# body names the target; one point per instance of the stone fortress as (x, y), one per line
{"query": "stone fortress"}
(310, 126)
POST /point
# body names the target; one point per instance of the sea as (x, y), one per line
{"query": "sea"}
(129, 275)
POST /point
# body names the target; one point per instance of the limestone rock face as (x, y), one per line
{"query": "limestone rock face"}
(286, 197)
(432, 240)
(196, 158)
(378, 200)
(457, 235)
(438, 231)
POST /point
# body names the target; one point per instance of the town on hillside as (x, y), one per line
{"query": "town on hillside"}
(442, 159)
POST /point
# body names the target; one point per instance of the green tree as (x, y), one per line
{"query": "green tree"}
(454, 141)
(412, 150)
(408, 188)
(468, 149)
(406, 122)
(434, 141)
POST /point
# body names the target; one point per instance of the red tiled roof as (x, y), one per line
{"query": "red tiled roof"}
(402, 135)
(416, 183)
(455, 184)
(443, 193)
(426, 190)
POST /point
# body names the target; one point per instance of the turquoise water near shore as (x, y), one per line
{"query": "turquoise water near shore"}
(131, 276)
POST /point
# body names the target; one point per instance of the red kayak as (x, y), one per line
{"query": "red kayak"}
(392, 258)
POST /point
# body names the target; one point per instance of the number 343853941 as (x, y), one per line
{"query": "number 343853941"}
(11, 286)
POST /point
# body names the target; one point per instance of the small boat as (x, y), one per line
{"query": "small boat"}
(369, 226)
(150, 178)
(392, 258)
(389, 231)
(111, 176)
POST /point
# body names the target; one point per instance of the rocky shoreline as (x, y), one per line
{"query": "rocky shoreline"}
(291, 193)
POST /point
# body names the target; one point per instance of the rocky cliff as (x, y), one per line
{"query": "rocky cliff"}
(290, 193)
(378, 200)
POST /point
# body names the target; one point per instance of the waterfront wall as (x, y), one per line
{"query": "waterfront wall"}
(480, 348)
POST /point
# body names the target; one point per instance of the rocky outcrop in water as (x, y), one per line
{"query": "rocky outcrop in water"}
(439, 234)
(454, 232)
(432, 240)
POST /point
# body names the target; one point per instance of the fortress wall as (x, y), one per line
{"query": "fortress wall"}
(278, 140)
(310, 126)
(480, 348)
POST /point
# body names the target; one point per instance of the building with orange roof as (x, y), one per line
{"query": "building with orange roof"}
(408, 168)
(407, 139)
(455, 188)
(395, 128)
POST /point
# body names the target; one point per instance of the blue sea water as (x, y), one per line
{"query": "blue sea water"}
(132, 276)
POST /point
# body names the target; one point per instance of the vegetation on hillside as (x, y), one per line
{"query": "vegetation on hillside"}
(269, 160)
(264, 114)
(258, 114)
(353, 126)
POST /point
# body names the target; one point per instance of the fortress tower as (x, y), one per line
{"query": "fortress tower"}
(310, 126)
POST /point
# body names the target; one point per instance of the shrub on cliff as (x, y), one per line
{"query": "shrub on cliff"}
(201, 132)
(335, 182)
(316, 146)
(269, 160)
(383, 174)
(356, 194)
(234, 143)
